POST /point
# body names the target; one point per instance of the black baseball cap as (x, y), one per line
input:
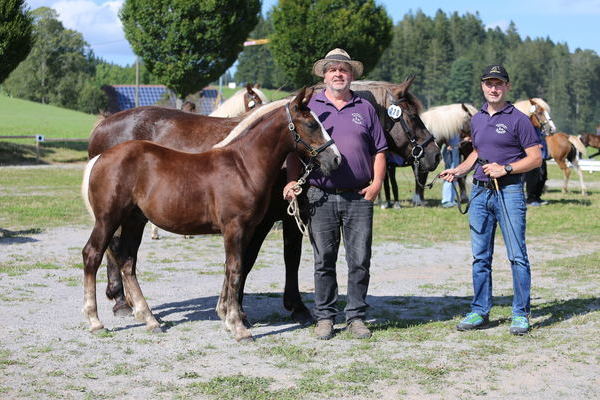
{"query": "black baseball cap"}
(495, 71)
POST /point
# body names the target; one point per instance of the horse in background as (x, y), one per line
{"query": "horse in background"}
(444, 122)
(242, 101)
(561, 146)
(591, 140)
(137, 181)
(538, 112)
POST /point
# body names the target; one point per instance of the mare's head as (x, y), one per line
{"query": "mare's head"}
(538, 112)
(311, 140)
(253, 97)
(408, 135)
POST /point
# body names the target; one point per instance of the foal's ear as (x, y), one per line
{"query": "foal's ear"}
(298, 101)
(249, 88)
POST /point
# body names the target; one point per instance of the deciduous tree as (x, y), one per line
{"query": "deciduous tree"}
(16, 35)
(187, 44)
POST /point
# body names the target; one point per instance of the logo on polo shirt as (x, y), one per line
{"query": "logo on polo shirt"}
(501, 129)
(358, 119)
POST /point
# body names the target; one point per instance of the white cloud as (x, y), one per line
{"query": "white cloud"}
(98, 22)
(502, 24)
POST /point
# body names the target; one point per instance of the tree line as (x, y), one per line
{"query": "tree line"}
(447, 53)
(187, 45)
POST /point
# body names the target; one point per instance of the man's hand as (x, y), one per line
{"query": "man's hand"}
(494, 170)
(370, 192)
(288, 191)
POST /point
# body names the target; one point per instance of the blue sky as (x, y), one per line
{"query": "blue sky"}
(575, 22)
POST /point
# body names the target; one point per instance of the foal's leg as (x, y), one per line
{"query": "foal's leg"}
(566, 172)
(92, 257)
(154, 232)
(234, 247)
(131, 237)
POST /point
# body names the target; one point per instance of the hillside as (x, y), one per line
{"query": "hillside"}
(22, 117)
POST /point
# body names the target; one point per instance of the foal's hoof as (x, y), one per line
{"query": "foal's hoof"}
(245, 339)
(122, 311)
(158, 329)
(98, 331)
(302, 317)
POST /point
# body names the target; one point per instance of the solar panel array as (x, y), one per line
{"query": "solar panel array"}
(124, 97)
(148, 95)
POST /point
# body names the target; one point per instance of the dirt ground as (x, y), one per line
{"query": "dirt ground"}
(47, 352)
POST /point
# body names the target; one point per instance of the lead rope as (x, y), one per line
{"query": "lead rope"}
(293, 208)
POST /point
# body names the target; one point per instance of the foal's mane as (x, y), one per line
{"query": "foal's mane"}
(446, 121)
(252, 119)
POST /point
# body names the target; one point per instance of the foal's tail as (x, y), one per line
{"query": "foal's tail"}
(576, 141)
(85, 184)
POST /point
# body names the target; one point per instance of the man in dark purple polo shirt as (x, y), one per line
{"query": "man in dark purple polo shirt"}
(505, 147)
(342, 204)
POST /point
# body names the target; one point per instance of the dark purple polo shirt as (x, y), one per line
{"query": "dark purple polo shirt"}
(358, 135)
(502, 137)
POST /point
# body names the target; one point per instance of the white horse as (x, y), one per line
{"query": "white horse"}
(449, 120)
(242, 101)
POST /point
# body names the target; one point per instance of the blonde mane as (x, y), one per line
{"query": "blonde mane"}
(448, 120)
(250, 120)
(234, 106)
(525, 105)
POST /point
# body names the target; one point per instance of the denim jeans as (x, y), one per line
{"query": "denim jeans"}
(332, 216)
(451, 160)
(507, 209)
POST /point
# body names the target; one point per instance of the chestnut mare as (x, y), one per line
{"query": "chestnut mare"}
(137, 181)
(196, 133)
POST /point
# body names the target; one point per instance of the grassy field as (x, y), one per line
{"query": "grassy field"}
(46, 197)
(22, 117)
(415, 351)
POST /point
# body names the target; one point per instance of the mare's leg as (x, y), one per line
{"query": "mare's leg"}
(581, 183)
(235, 243)
(393, 183)
(92, 257)
(114, 286)
(131, 237)
(420, 180)
(292, 252)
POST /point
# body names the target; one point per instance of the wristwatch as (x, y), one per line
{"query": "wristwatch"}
(508, 169)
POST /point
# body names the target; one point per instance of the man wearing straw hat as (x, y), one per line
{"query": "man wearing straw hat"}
(343, 202)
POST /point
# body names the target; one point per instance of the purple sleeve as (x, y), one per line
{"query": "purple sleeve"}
(527, 134)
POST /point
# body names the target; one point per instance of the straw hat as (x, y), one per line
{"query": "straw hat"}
(338, 55)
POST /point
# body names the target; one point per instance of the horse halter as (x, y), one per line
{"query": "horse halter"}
(395, 113)
(543, 124)
(254, 101)
(297, 139)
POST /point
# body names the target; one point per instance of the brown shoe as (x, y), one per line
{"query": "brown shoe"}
(358, 329)
(324, 329)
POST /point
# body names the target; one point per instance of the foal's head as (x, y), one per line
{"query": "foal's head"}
(409, 136)
(312, 140)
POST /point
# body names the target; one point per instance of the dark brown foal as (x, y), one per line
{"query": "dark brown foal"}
(185, 193)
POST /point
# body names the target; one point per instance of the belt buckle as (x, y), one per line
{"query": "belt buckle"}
(490, 185)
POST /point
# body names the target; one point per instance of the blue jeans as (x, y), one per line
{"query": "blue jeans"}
(451, 160)
(350, 215)
(507, 208)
